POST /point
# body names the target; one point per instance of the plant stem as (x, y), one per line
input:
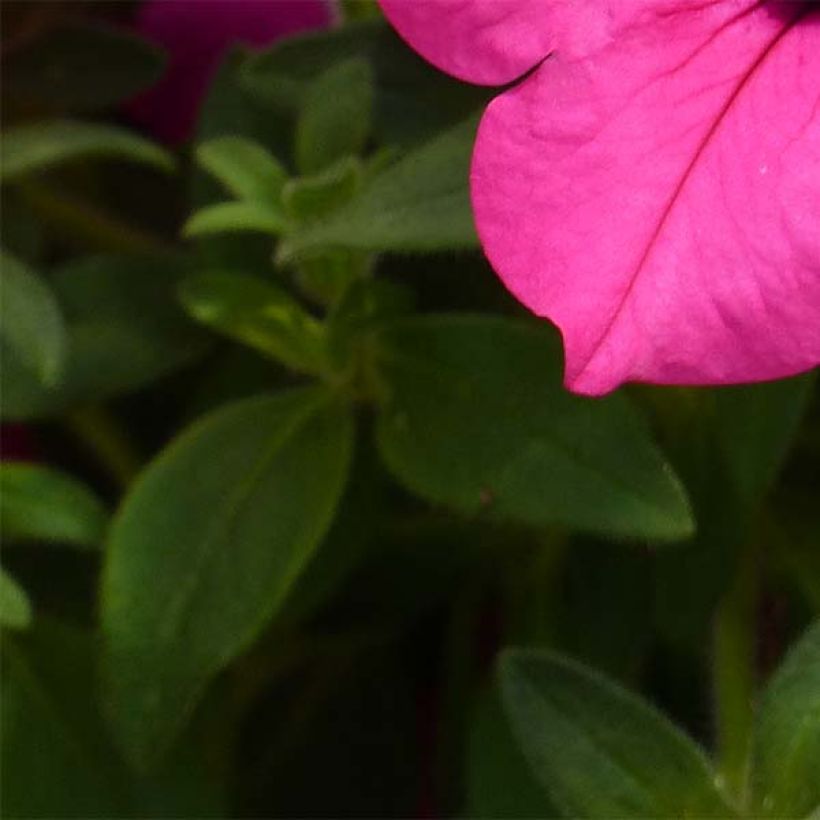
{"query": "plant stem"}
(87, 223)
(102, 435)
(460, 667)
(735, 678)
(531, 592)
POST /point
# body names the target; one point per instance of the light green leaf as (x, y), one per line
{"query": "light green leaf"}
(599, 750)
(247, 169)
(307, 199)
(325, 278)
(42, 504)
(335, 116)
(62, 68)
(205, 549)
(421, 203)
(31, 321)
(258, 314)
(787, 745)
(228, 110)
(474, 415)
(15, 609)
(234, 217)
(29, 148)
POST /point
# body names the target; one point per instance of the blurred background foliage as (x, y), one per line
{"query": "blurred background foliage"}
(287, 474)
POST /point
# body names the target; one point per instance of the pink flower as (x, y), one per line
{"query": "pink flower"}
(652, 186)
(16, 443)
(196, 35)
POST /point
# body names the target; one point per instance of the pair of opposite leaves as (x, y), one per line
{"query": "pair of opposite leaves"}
(652, 184)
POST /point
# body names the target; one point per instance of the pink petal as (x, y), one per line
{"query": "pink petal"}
(196, 34)
(480, 42)
(659, 200)
(493, 42)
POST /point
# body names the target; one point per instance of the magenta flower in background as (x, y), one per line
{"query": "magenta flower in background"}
(196, 34)
(16, 443)
(652, 185)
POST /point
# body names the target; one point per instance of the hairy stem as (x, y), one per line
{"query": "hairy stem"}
(87, 223)
(735, 677)
(103, 437)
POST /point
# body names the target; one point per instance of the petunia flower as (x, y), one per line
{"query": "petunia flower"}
(651, 181)
(196, 34)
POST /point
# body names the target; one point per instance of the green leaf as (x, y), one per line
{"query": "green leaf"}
(335, 116)
(51, 767)
(599, 750)
(229, 110)
(359, 10)
(357, 529)
(370, 302)
(234, 217)
(474, 415)
(62, 68)
(29, 148)
(421, 203)
(787, 746)
(499, 781)
(258, 314)
(41, 504)
(247, 169)
(366, 303)
(15, 609)
(412, 102)
(325, 278)
(57, 759)
(756, 425)
(205, 549)
(307, 199)
(30, 320)
(125, 329)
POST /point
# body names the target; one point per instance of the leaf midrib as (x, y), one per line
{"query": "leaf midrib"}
(174, 619)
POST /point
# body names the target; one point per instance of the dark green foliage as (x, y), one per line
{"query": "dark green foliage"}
(81, 66)
(124, 330)
(474, 415)
(41, 504)
(33, 148)
(296, 473)
(206, 547)
(600, 751)
(784, 771)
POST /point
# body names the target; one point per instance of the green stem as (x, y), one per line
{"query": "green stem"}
(530, 592)
(735, 678)
(84, 222)
(102, 435)
(460, 669)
